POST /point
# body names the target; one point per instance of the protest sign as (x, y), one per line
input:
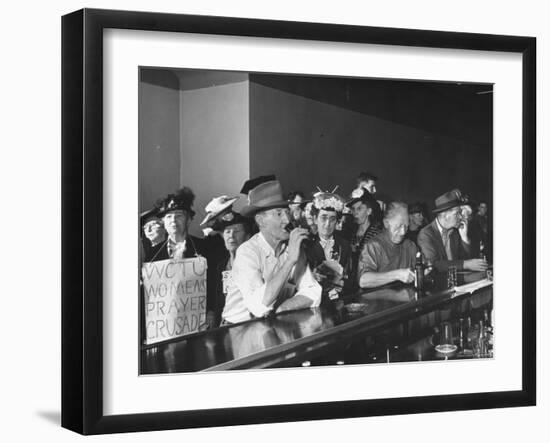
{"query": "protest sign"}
(175, 297)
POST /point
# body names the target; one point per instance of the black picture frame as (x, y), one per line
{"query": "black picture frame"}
(82, 190)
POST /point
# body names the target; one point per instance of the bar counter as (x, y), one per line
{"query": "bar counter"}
(389, 324)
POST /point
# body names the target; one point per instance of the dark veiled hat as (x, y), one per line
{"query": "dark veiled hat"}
(182, 200)
(362, 195)
(151, 214)
(228, 218)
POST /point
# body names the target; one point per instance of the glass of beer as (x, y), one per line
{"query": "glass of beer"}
(446, 342)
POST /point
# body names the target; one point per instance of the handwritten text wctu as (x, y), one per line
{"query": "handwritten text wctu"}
(175, 297)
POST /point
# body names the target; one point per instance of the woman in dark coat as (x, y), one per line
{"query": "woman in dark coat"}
(235, 230)
(176, 213)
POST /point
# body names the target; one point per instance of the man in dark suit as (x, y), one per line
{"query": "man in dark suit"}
(328, 253)
(445, 242)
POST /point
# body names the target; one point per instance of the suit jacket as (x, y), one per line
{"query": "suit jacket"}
(431, 244)
(316, 255)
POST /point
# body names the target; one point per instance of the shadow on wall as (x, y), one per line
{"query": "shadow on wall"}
(211, 130)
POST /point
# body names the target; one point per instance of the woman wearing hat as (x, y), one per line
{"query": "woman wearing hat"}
(153, 233)
(176, 213)
(329, 254)
(417, 221)
(296, 203)
(235, 229)
(362, 205)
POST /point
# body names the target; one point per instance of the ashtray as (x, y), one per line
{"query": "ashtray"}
(356, 308)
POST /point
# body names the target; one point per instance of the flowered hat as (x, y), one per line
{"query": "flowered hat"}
(328, 201)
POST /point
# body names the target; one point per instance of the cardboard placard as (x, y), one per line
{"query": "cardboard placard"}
(175, 297)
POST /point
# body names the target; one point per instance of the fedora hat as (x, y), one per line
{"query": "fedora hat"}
(449, 200)
(267, 195)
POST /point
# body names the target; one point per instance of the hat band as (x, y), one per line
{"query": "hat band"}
(447, 205)
(266, 201)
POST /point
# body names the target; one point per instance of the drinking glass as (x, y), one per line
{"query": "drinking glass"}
(446, 343)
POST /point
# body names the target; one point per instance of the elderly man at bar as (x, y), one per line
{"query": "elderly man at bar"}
(445, 242)
(270, 270)
(389, 256)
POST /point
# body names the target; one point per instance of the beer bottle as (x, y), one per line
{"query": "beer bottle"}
(419, 272)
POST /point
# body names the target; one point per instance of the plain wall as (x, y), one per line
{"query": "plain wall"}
(327, 141)
(159, 135)
(214, 142)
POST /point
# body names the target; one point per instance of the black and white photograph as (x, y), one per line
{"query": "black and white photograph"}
(297, 221)
(275, 221)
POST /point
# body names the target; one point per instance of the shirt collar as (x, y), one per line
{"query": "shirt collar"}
(386, 237)
(266, 247)
(441, 229)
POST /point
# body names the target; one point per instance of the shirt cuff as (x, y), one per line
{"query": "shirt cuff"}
(310, 288)
(253, 302)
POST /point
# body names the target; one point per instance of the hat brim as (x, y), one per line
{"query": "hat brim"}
(350, 203)
(447, 206)
(222, 209)
(151, 214)
(302, 203)
(163, 213)
(251, 210)
(221, 225)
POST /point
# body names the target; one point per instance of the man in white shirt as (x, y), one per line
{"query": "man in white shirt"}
(270, 272)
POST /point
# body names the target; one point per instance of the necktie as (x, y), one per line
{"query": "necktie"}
(446, 233)
(327, 247)
(176, 250)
